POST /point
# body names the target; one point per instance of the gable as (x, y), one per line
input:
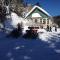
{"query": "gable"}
(42, 14)
(38, 10)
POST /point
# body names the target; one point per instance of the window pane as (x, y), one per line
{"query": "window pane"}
(44, 21)
(47, 21)
(35, 20)
(40, 20)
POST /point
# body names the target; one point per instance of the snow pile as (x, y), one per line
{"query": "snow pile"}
(17, 19)
(24, 30)
(41, 30)
(58, 30)
(46, 36)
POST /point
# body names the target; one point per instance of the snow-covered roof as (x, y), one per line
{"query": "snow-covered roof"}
(39, 9)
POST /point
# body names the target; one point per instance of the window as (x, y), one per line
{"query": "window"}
(35, 20)
(44, 21)
(41, 21)
(47, 21)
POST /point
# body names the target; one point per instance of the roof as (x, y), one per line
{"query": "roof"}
(39, 9)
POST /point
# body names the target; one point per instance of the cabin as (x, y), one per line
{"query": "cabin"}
(38, 17)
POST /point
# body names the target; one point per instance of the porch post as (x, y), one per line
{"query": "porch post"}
(42, 20)
(46, 22)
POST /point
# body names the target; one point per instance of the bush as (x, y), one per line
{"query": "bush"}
(17, 32)
(30, 34)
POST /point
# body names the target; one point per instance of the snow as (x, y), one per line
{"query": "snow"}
(22, 46)
(18, 47)
(24, 29)
(9, 54)
(2, 34)
(46, 36)
(27, 57)
(52, 45)
(15, 19)
(25, 49)
(41, 30)
(36, 15)
(11, 58)
(58, 30)
(1, 25)
(57, 50)
(29, 49)
(52, 38)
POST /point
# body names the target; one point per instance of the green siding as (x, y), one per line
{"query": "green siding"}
(38, 11)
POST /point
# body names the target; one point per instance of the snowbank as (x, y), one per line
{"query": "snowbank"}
(17, 19)
(46, 36)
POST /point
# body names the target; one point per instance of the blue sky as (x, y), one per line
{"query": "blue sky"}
(51, 6)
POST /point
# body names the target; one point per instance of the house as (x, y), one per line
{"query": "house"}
(38, 17)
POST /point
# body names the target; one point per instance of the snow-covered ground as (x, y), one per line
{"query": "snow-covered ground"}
(45, 47)
(46, 36)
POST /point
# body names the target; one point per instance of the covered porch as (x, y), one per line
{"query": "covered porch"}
(39, 22)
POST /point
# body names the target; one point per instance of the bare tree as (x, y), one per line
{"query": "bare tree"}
(2, 15)
(17, 6)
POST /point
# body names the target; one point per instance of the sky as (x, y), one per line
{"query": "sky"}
(51, 6)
